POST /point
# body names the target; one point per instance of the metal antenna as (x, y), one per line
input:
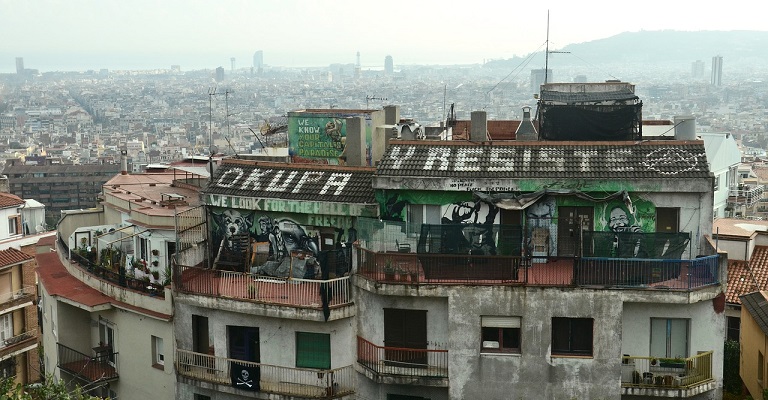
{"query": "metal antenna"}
(211, 93)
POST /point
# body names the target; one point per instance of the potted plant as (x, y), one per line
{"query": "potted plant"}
(155, 252)
(389, 271)
(676, 362)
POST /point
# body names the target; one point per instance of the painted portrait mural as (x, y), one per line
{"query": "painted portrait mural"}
(281, 235)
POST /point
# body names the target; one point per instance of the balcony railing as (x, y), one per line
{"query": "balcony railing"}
(395, 267)
(416, 269)
(102, 367)
(745, 194)
(384, 360)
(299, 382)
(651, 372)
(119, 278)
(17, 342)
(24, 292)
(295, 292)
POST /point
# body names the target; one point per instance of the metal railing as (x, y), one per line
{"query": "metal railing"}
(746, 194)
(300, 382)
(120, 278)
(24, 291)
(91, 369)
(440, 268)
(662, 274)
(385, 360)
(20, 338)
(655, 372)
(296, 292)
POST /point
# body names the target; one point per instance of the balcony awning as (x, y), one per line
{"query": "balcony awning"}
(514, 201)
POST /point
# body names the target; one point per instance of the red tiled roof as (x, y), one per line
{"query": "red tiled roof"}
(58, 282)
(746, 277)
(10, 200)
(12, 256)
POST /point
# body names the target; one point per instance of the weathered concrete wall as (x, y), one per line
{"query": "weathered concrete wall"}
(276, 335)
(370, 321)
(534, 373)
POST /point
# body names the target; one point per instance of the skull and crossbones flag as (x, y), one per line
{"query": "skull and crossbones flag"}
(245, 377)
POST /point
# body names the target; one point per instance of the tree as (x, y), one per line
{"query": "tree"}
(48, 390)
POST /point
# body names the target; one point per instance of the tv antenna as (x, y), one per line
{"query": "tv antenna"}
(369, 98)
(547, 52)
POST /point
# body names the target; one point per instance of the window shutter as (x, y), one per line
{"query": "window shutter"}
(499, 322)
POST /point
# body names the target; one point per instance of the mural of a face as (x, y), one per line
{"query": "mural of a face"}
(232, 222)
(621, 221)
(295, 238)
(541, 213)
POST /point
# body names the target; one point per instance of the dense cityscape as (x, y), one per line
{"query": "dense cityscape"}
(518, 229)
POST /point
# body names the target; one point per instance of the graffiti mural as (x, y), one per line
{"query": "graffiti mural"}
(541, 227)
(469, 225)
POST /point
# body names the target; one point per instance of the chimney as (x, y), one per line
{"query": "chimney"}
(479, 130)
(526, 130)
(391, 115)
(123, 162)
(354, 145)
(685, 127)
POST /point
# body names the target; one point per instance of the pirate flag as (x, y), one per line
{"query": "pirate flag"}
(245, 377)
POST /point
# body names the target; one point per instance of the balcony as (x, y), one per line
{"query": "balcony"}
(399, 365)
(19, 296)
(119, 277)
(293, 292)
(102, 367)
(659, 377)
(18, 343)
(746, 195)
(299, 382)
(505, 255)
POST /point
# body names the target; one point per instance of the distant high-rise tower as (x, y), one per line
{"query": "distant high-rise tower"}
(538, 76)
(19, 65)
(697, 69)
(717, 71)
(357, 66)
(232, 61)
(389, 65)
(579, 79)
(219, 74)
(258, 61)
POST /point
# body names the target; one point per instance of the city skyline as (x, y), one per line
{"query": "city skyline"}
(84, 34)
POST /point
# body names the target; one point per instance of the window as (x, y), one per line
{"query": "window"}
(717, 184)
(8, 368)
(419, 214)
(202, 397)
(669, 337)
(760, 370)
(6, 327)
(14, 225)
(667, 219)
(313, 350)
(733, 328)
(500, 334)
(572, 336)
(107, 338)
(158, 354)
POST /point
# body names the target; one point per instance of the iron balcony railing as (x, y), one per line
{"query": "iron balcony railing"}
(447, 269)
(666, 373)
(295, 292)
(745, 194)
(299, 382)
(27, 291)
(388, 360)
(120, 278)
(101, 367)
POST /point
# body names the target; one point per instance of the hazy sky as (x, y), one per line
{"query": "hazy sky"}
(131, 34)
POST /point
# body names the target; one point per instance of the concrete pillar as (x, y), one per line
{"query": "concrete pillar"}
(391, 115)
(479, 132)
(354, 145)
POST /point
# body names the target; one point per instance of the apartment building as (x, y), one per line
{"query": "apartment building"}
(576, 267)
(105, 288)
